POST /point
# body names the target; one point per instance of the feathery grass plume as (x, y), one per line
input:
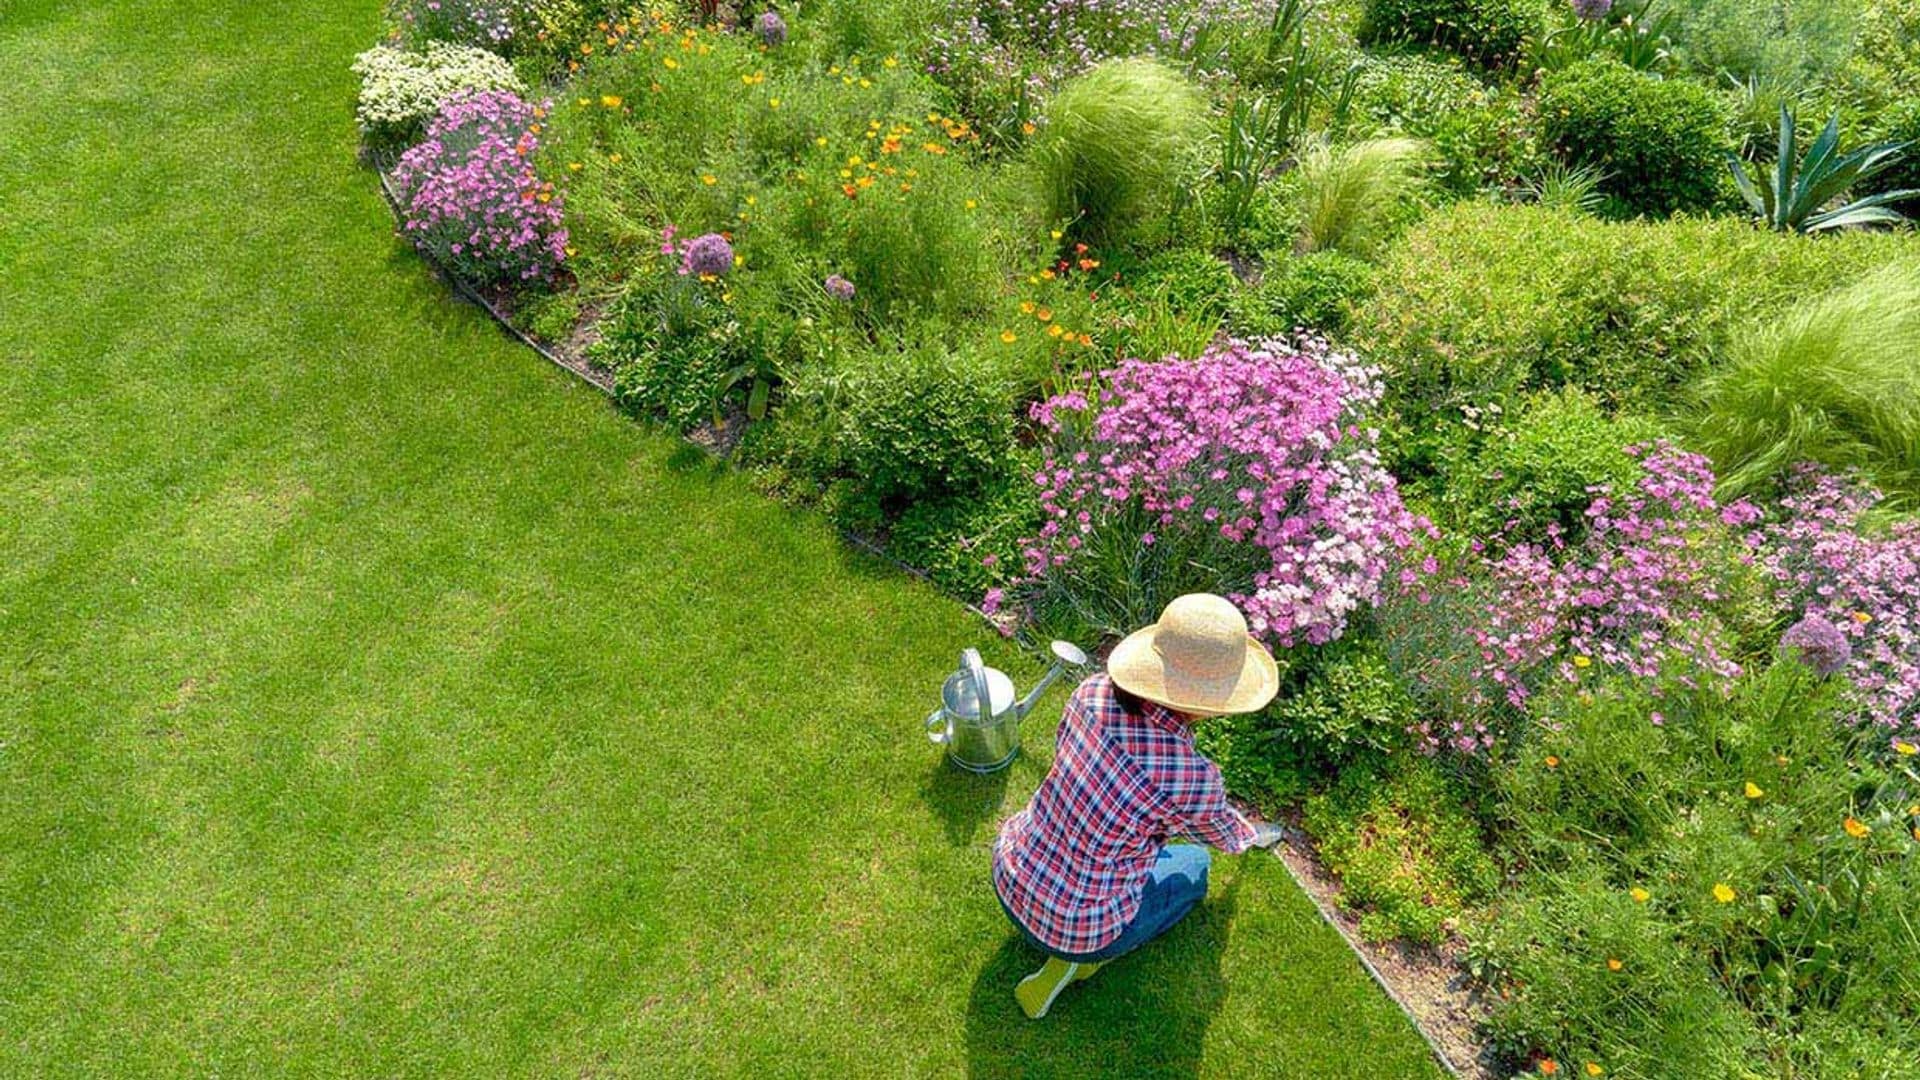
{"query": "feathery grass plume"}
(1118, 142)
(1834, 381)
(1349, 197)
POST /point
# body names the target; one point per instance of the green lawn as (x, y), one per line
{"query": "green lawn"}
(375, 700)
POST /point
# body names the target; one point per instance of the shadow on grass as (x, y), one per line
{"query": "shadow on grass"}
(1145, 1014)
(962, 800)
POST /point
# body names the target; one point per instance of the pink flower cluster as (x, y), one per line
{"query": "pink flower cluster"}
(1639, 594)
(1830, 564)
(471, 196)
(1254, 449)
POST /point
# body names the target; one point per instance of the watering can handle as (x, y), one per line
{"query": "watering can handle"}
(938, 729)
(977, 671)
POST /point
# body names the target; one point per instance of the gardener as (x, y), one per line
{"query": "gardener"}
(1086, 871)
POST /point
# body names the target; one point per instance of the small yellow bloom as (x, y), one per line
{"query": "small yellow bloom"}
(1856, 828)
(1594, 1069)
(1902, 746)
(865, 83)
(1026, 307)
(1055, 234)
(574, 166)
(1054, 330)
(1753, 790)
(1640, 895)
(973, 204)
(615, 158)
(773, 103)
(671, 63)
(1008, 337)
(1582, 661)
(1028, 128)
(1724, 893)
(1862, 618)
(1086, 339)
(890, 62)
(1614, 964)
(820, 140)
(611, 101)
(709, 179)
(1553, 761)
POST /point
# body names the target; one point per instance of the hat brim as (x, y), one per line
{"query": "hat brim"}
(1138, 668)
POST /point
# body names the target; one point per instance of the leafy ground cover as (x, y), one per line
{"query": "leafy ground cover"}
(374, 700)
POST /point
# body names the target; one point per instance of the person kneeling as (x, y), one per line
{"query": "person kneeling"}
(1086, 871)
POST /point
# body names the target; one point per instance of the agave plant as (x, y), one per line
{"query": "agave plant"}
(1795, 197)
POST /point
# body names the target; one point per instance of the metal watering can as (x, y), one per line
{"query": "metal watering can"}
(978, 720)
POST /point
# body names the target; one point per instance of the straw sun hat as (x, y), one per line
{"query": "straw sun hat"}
(1197, 659)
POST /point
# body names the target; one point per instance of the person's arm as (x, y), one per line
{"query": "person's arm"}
(1202, 812)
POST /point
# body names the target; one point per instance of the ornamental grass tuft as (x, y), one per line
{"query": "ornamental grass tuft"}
(1119, 142)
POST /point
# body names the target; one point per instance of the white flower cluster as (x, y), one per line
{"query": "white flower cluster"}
(400, 90)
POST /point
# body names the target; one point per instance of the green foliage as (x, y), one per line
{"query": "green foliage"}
(1762, 926)
(1570, 188)
(1411, 92)
(1169, 304)
(965, 543)
(1119, 142)
(1885, 66)
(1536, 470)
(1492, 33)
(1349, 704)
(1798, 195)
(1836, 380)
(1352, 197)
(1768, 38)
(1660, 141)
(670, 342)
(899, 426)
(1899, 124)
(1477, 303)
(1407, 852)
(1493, 145)
(1317, 291)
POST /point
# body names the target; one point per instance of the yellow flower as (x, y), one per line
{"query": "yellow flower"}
(1028, 128)
(1054, 330)
(574, 166)
(1044, 314)
(1856, 828)
(1008, 336)
(611, 101)
(1553, 761)
(1753, 790)
(1614, 964)
(1862, 618)
(1594, 1069)
(1026, 307)
(1055, 234)
(615, 158)
(709, 179)
(1724, 893)
(1583, 661)
(890, 62)
(1640, 895)
(773, 103)
(973, 204)
(584, 101)
(864, 83)
(671, 63)
(1902, 746)
(820, 140)
(1086, 339)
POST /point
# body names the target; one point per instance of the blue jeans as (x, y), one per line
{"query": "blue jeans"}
(1177, 882)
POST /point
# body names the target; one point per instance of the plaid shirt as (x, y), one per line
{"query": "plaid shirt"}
(1072, 865)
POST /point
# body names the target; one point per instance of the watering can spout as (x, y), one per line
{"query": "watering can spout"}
(1066, 655)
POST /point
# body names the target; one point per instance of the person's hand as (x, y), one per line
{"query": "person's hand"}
(1266, 834)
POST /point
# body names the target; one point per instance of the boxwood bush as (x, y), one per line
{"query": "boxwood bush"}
(1662, 142)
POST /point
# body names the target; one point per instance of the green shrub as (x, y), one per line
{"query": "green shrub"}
(1661, 141)
(1767, 38)
(1478, 303)
(670, 342)
(1349, 703)
(1493, 33)
(1119, 141)
(1701, 844)
(1406, 850)
(1352, 197)
(1493, 145)
(917, 424)
(1885, 65)
(966, 543)
(1836, 381)
(1317, 291)
(1536, 471)
(1412, 92)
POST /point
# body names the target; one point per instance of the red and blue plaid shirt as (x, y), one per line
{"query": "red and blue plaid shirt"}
(1072, 865)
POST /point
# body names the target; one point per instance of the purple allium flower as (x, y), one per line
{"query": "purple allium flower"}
(1592, 9)
(838, 287)
(708, 256)
(1821, 644)
(772, 29)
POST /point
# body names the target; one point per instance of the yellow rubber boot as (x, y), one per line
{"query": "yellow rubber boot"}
(1037, 991)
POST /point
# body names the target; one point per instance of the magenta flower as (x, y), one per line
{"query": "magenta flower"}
(772, 29)
(838, 287)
